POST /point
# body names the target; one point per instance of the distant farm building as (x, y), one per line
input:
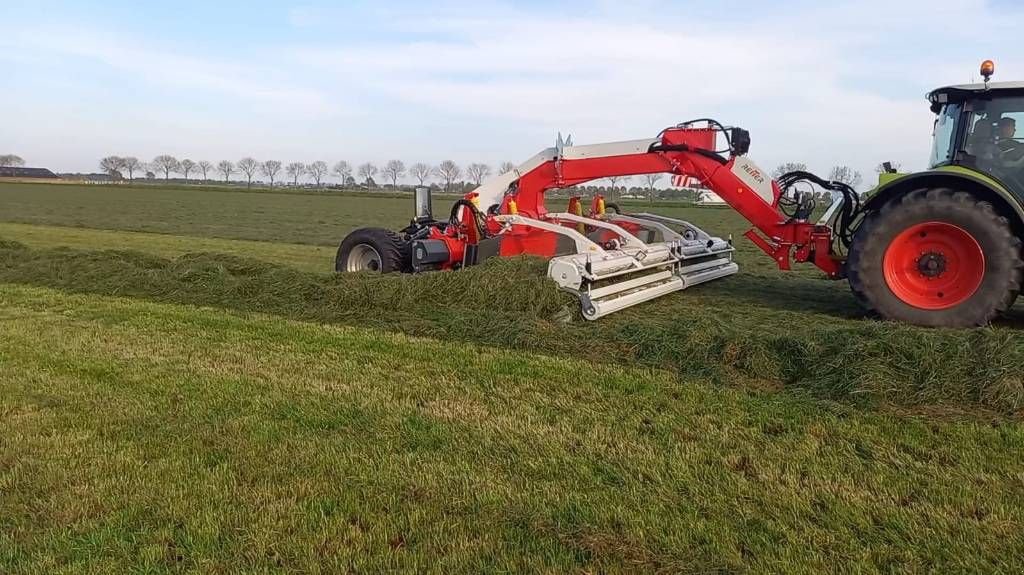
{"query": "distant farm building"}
(34, 173)
(700, 192)
(95, 178)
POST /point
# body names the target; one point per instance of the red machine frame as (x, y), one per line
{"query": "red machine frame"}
(684, 150)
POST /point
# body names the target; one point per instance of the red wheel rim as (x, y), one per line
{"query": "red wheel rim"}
(934, 265)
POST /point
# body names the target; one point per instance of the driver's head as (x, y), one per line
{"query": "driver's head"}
(1007, 127)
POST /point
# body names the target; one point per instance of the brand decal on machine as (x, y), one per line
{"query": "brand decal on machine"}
(751, 175)
(754, 172)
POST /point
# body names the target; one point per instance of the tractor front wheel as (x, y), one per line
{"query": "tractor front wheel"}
(937, 258)
(373, 250)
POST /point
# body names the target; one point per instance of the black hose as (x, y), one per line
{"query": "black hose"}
(478, 218)
(848, 218)
(686, 148)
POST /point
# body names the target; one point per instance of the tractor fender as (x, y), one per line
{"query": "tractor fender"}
(983, 187)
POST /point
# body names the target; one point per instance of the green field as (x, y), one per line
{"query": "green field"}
(301, 256)
(140, 436)
(244, 410)
(261, 216)
(286, 217)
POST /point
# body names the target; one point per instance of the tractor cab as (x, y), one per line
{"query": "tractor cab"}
(981, 127)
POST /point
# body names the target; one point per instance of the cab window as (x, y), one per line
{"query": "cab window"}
(995, 137)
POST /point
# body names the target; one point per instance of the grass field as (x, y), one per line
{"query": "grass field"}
(148, 437)
(301, 256)
(260, 216)
(167, 410)
(278, 217)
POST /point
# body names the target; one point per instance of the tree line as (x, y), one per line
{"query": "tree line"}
(447, 172)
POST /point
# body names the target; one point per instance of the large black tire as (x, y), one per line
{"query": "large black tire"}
(891, 232)
(373, 249)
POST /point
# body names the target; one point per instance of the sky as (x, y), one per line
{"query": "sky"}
(483, 81)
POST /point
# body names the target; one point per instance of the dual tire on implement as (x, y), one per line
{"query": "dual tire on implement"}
(374, 250)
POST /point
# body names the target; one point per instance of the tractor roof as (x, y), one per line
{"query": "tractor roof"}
(961, 92)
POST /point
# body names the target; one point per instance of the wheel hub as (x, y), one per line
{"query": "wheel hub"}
(931, 264)
(363, 258)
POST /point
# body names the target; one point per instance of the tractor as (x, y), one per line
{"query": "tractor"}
(936, 248)
(942, 247)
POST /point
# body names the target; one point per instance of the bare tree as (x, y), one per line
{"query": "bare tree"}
(248, 166)
(880, 168)
(166, 164)
(112, 165)
(131, 165)
(270, 169)
(187, 166)
(846, 175)
(366, 172)
(343, 171)
(204, 167)
(226, 168)
(614, 181)
(11, 161)
(477, 172)
(651, 180)
(506, 167)
(393, 170)
(788, 167)
(295, 170)
(421, 172)
(317, 170)
(448, 171)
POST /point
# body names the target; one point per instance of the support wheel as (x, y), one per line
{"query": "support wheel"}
(374, 250)
(936, 258)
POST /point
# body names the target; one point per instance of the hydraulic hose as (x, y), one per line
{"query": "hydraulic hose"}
(479, 220)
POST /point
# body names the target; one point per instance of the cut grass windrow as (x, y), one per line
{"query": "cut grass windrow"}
(510, 303)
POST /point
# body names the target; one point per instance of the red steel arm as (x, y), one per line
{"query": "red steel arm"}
(688, 151)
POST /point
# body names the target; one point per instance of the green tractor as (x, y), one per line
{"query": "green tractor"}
(942, 247)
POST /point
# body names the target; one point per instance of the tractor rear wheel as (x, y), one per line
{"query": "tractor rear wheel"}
(938, 258)
(374, 250)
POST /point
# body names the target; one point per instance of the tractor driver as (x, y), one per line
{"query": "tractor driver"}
(1011, 150)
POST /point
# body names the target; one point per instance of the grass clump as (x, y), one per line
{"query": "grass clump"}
(510, 302)
(11, 245)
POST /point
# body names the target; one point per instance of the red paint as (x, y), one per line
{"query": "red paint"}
(779, 238)
(905, 265)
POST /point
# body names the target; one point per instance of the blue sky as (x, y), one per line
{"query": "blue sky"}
(482, 81)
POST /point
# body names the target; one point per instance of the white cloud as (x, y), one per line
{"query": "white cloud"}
(604, 79)
(239, 81)
(816, 82)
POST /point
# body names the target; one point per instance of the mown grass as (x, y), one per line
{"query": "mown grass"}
(736, 335)
(301, 217)
(321, 219)
(262, 216)
(148, 437)
(300, 256)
